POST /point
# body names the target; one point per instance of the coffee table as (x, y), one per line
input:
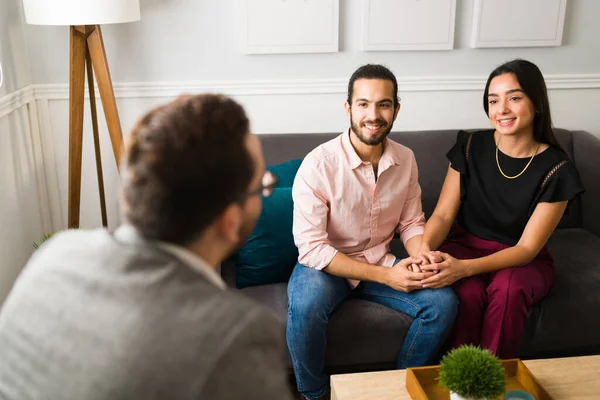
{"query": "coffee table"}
(563, 378)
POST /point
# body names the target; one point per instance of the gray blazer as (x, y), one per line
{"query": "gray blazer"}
(93, 317)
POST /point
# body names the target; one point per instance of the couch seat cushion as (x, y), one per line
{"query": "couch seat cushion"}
(359, 332)
(567, 319)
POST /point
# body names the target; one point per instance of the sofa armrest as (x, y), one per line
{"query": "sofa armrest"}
(586, 151)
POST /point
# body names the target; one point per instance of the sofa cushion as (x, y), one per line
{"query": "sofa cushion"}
(286, 172)
(359, 332)
(567, 319)
(269, 254)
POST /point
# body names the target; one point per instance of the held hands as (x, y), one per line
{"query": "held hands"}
(403, 278)
(426, 256)
(444, 268)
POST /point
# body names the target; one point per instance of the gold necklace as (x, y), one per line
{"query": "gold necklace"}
(520, 173)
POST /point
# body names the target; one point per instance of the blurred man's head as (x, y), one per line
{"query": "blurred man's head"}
(193, 173)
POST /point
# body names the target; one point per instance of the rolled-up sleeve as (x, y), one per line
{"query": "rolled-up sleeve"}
(412, 219)
(311, 209)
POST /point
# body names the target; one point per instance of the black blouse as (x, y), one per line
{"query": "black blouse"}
(496, 208)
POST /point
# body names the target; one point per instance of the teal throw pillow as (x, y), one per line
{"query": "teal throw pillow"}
(269, 255)
(285, 172)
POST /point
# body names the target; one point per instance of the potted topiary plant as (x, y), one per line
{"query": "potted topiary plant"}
(470, 372)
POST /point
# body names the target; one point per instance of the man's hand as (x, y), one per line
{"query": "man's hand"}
(449, 270)
(416, 267)
(427, 257)
(401, 278)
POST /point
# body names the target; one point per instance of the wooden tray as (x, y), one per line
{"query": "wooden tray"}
(422, 382)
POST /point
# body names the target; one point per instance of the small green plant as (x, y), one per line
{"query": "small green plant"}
(472, 372)
(44, 237)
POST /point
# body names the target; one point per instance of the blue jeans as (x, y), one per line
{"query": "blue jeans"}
(313, 295)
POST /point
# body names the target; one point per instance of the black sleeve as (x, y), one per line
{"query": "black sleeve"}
(457, 155)
(562, 185)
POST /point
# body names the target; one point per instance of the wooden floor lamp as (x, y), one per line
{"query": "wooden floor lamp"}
(84, 18)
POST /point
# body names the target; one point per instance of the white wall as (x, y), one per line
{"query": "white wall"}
(190, 40)
(21, 176)
(191, 45)
(13, 55)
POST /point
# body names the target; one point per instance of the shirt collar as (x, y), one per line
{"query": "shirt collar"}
(353, 158)
(195, 262)
(129, 234)
(388, 158)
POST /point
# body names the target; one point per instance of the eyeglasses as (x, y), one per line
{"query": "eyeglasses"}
(268, 184)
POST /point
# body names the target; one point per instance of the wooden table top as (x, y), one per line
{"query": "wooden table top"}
(563, 378)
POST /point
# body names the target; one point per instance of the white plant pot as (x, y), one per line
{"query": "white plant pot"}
(454, 396)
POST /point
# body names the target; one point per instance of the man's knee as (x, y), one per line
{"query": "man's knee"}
(448, 306)
(442, 305)
(312, 293)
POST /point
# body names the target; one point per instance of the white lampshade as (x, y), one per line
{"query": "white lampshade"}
(80, 12)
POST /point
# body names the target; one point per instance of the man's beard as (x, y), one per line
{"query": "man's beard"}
(370, 140)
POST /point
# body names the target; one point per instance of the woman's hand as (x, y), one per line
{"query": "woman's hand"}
(402, 278)
(427, 257)
(449, 270)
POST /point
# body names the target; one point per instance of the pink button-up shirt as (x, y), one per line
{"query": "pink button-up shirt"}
(339, 206)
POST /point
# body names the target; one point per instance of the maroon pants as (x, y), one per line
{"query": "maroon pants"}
(493, 307)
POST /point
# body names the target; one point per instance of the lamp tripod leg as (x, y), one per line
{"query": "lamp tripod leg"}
(90, 76)
(76, 87)
(87, 50)
(105, 87)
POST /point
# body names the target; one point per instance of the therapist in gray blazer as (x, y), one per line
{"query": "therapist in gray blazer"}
(141, 312)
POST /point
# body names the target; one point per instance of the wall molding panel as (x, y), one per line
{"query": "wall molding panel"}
(287, 87)
(537, 23)
(396, 25)
(16, 100)
(288, 26)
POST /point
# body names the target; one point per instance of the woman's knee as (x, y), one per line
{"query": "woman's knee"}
(506, 285)
(522, 285)
(471, 294)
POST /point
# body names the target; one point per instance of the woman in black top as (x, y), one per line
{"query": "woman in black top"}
(507, 188)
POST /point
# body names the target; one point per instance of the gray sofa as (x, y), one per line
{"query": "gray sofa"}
(367, 336)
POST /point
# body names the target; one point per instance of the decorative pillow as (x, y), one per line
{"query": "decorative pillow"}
(269, 255)
(286, 172)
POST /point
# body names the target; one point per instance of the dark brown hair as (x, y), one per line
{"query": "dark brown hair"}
(373, 71)
(532, 82)
(184, 163)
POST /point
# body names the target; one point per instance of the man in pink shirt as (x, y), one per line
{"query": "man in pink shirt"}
(351, 195)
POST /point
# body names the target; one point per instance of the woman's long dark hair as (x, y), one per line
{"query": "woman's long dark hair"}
(532, 82)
